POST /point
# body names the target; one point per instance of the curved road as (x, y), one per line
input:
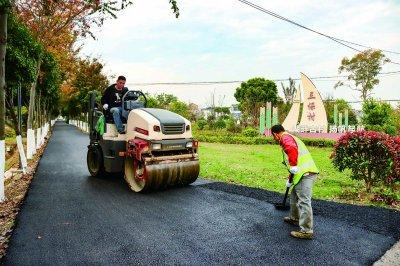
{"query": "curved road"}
(70, 218)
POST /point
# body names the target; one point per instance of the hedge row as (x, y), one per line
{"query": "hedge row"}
(224, 137)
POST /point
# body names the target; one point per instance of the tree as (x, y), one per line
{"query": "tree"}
(396, 119)
(342, 105)
(222, 112)
(4, 7)
(48, 86)
(57, 25)
(254, 93)
(363, 70)
(290, 91)
(378, 116)
(194, 111)
(284, 108)
(88, 77)
(285, 105)
(22, 54)
(165, 100)
(151, 101)
(180, 108)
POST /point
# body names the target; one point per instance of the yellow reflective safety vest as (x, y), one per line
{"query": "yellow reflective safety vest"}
(305, 162)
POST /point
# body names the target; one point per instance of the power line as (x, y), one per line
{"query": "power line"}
(338, 40)
(369, 47)
(240, 81)
(387, 100)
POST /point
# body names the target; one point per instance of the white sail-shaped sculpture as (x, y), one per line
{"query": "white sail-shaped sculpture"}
(291, 119)
(314, 114)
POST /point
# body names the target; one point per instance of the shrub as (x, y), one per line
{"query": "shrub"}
(393, 145)
(251, 132)
(220, 123)
(379, 116)
(201, 123)
(389, 129)
(367, 155)
(227, 137)
(319, 142)
(232, 126)
(210, 125)
(9, 132)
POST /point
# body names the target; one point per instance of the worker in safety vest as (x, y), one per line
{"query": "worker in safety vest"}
(303, 173)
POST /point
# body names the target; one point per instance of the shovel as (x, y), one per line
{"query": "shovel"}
(282, 206)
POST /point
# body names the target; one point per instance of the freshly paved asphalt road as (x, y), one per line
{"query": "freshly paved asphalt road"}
(70, 218)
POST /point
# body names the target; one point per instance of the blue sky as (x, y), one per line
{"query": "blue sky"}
(227, 40)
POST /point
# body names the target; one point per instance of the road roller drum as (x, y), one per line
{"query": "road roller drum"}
(142, 177)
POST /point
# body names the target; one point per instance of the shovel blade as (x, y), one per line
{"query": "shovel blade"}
(281, 207)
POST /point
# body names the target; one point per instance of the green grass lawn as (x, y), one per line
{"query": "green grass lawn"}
(261, 166)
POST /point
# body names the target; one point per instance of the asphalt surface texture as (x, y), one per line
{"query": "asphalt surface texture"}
(70, 218)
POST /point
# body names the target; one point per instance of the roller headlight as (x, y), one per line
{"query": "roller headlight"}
(189, 144)
(156, 146)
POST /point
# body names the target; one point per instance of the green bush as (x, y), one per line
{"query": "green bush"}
(387, 128)
(318, 142)
(201, 123)
(371, 156)
(379, 116)
(232, 126)
(222, 136)
(9, 132)
(220, 123)
(387, 196)
(251, 132)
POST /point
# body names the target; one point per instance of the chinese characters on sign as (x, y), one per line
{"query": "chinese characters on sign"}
(311, 107)
(313, 115)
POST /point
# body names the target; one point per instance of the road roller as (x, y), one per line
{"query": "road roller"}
(156, 151)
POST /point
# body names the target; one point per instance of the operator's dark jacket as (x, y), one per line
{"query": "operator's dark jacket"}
(113, 97)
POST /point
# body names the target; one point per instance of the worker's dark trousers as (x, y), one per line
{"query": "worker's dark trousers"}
(300, 203)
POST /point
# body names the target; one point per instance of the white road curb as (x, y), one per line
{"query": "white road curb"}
(391, 257)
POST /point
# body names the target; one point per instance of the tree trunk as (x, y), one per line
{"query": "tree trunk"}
(30, 137)
(33, 94)
(364, 95)
(38, 124)
(13, 116)
(368, 186)
(3, 43)
(368, 182)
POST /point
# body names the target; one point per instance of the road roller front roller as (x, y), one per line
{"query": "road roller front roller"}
(156, 151)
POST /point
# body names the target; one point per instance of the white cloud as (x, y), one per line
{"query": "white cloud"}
(227, 40)
(138, 72)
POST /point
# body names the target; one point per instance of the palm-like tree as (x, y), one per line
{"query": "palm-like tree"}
(289, 91)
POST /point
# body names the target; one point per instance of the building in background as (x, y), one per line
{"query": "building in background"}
(234, 111)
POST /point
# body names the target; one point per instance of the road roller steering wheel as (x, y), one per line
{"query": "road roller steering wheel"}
(134, 96)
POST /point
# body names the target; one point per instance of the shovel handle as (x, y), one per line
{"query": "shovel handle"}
(284, 198)
(287, 190)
